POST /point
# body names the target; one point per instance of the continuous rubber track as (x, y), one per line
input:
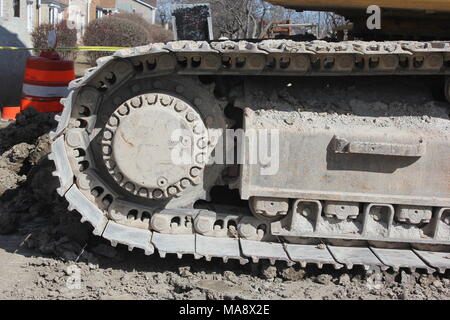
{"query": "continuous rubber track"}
(227, 234)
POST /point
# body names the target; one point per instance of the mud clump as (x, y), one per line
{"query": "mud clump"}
(29, 203)
(29, 126)
(25, 171)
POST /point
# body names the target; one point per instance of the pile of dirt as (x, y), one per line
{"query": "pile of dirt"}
(29, 203)
(24, 146)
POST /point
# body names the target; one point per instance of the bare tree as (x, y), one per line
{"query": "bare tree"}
(240, 19)
(164, 11)
(332, 21)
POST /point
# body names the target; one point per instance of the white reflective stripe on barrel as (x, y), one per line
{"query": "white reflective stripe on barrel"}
(44, 91)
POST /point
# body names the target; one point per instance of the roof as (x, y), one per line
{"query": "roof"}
(61, 3)
(149, 2)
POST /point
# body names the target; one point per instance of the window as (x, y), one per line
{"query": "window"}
(16, 7)
(98, 13)
(53, 15)
(30, 16)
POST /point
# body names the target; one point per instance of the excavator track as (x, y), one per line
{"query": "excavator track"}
(94, 178)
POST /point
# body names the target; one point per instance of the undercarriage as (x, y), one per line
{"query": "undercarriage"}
(304, 152)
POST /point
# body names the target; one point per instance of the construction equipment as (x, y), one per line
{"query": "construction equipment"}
(342, 155)
(401, 20)
(285, 29)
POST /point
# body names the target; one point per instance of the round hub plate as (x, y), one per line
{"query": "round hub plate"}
(155, 145)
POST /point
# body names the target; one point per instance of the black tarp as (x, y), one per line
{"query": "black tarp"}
(191, 22)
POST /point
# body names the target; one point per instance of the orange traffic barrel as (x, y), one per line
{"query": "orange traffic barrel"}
(10, 113)
(46, 81)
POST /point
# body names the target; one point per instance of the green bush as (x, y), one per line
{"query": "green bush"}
(113, 32)
(66, 37)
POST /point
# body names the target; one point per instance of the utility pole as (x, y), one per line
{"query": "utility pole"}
(318, 26)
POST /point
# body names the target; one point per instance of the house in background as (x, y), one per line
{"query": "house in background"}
(100, 8)
(50, 11)
(145, 8)
(21, 16)
(18, 18)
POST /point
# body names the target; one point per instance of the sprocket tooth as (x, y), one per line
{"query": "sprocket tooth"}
(243, 262)
(337, 266)
(197, 256)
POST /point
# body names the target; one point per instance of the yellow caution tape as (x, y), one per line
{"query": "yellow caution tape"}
(80, 48)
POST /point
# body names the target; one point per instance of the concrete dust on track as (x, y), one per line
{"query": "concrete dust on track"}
(41, 242)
